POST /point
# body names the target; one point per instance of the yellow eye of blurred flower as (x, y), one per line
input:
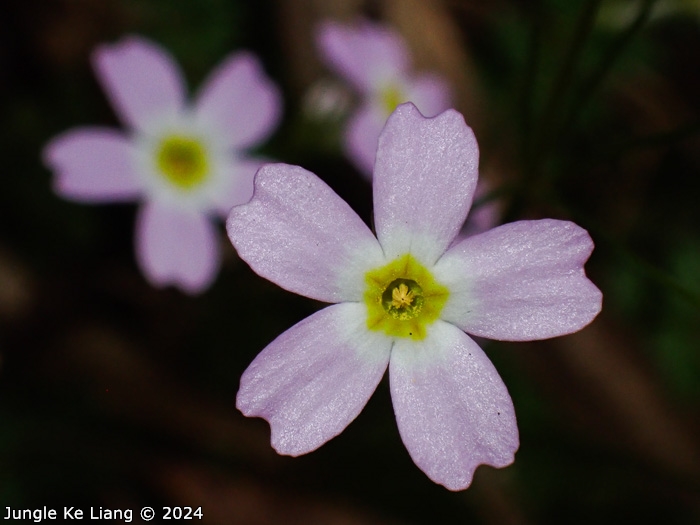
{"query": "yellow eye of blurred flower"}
(182, 161)
(391, 97)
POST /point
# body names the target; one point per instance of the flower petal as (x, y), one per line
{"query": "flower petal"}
(424, 181)
(362, 136)
(239, 177)
(367, 55)
(521, 281)
(141, 79)
(93, 165)
(429, 93)
(240, 101)
(452, 408)
(315, 378)
(177, 247)
(483, 217)
(297, 233)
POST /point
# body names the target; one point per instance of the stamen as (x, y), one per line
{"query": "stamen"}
(401, 296)
(403, 299)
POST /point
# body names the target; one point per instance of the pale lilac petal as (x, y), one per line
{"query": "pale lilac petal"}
(240, 101)
(452, 408)
(424, 181)
(141, 79)
(521, 281)
(484, 217)
(93, 165)
(362, 136)
(481, 218)
(367, 54)
(176, 247)
(239, 175)
(315, 378)
(299, 234)
(430, 94)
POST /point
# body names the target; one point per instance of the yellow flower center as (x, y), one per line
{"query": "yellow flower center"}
(182, 161)
(403, 298)
(391, 96)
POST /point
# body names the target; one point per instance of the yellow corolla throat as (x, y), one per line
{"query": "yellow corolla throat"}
(391, 96)
(403, 298)
(182, 161)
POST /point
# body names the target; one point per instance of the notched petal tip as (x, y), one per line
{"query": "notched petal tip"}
(313, 380)
(526, 281)
(406, 110)
(92, 165)
(461, 479)
(176, 248)
(282, 444)
(283, 447)
(431, 93)
(446, 123)
(452, 408)
(465, 482)
(266, 174)
(424, 181)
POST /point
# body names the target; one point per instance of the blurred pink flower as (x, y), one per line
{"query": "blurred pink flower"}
(484, 217)
(375, 60)
(405, 299)
(185, 162)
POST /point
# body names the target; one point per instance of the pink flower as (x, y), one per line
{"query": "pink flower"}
(375, 60)
(404, 300)
(184, 162)
(483, 217)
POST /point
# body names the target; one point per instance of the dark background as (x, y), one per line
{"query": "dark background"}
(116, 394)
